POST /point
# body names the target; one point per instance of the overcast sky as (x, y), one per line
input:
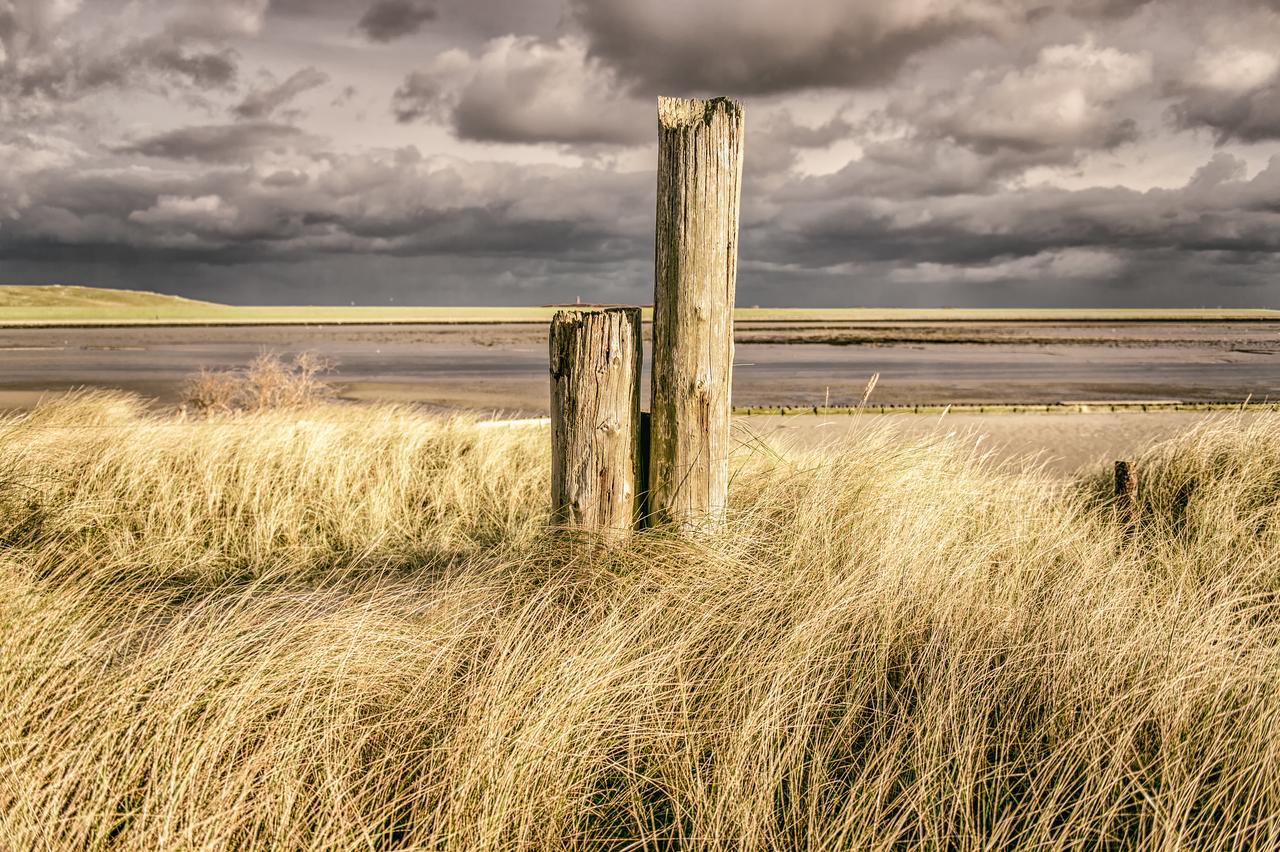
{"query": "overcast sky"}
(915, 152)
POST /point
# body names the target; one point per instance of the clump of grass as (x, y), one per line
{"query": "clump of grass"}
(343, 628)
(268, 382)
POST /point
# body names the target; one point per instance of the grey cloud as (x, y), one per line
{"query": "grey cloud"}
(492, 18)
(423, 94)
(347, 94)
(70, 76)
(938, 206)
(464, 21)
(27, 25)
(902, 170)
(216, 20)
(387, 20)
(205, 69)
(388, 203)
(393, 18)
(1227, 78)
(1101, 8)
(1214, 213)
(262, 103)
(403, 204)
(752, 48)
(46, 58)
(783, 126)
(1251, 116)
(525, 90)
(216, 143)
(808, 239)
(1070, 99)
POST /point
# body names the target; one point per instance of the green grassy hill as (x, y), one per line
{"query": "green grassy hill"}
(46, 305)
(55, 296)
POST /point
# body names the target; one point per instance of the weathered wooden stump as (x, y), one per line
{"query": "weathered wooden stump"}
(700, 148)
(595, 421)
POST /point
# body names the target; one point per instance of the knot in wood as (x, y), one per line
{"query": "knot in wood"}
(702, 382)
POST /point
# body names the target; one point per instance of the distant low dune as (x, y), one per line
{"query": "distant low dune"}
(24, 305)
(62, 296)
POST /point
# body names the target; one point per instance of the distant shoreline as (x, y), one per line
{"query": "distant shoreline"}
(789, 317)
(57, 306)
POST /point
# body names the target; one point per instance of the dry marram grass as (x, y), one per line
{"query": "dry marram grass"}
(344, 628)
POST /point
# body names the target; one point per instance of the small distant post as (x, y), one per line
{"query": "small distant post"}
(1126, 491)
(700, 148)
(595, 421)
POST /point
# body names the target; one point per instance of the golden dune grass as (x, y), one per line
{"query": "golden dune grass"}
(343, 628)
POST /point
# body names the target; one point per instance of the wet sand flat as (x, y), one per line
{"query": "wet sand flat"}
(504, 367)
(1063, 443)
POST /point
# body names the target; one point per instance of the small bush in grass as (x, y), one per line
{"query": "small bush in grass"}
(213, 391)
(269, 382)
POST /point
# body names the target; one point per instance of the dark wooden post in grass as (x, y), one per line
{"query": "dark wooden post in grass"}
(699, 190)
(595, 421)
(1126, 492)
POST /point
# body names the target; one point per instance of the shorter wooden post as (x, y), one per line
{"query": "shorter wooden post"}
(595, 421)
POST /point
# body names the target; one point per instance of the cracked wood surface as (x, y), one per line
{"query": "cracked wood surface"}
(595, 420)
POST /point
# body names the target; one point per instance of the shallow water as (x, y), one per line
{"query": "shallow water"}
(505, 368)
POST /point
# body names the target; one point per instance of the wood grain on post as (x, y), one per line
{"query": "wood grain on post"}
(699, 190)
(595, 420)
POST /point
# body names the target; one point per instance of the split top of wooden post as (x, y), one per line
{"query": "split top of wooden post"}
(688, 112)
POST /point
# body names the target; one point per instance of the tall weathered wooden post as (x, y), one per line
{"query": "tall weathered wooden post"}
(595, 421)
(699, 190)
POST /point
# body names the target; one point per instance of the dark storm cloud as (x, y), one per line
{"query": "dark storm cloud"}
(387, 20)
(898, 152)
(262, 103)
(400, 203)
(215, 143)
(386, 203)
(1217, 212)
